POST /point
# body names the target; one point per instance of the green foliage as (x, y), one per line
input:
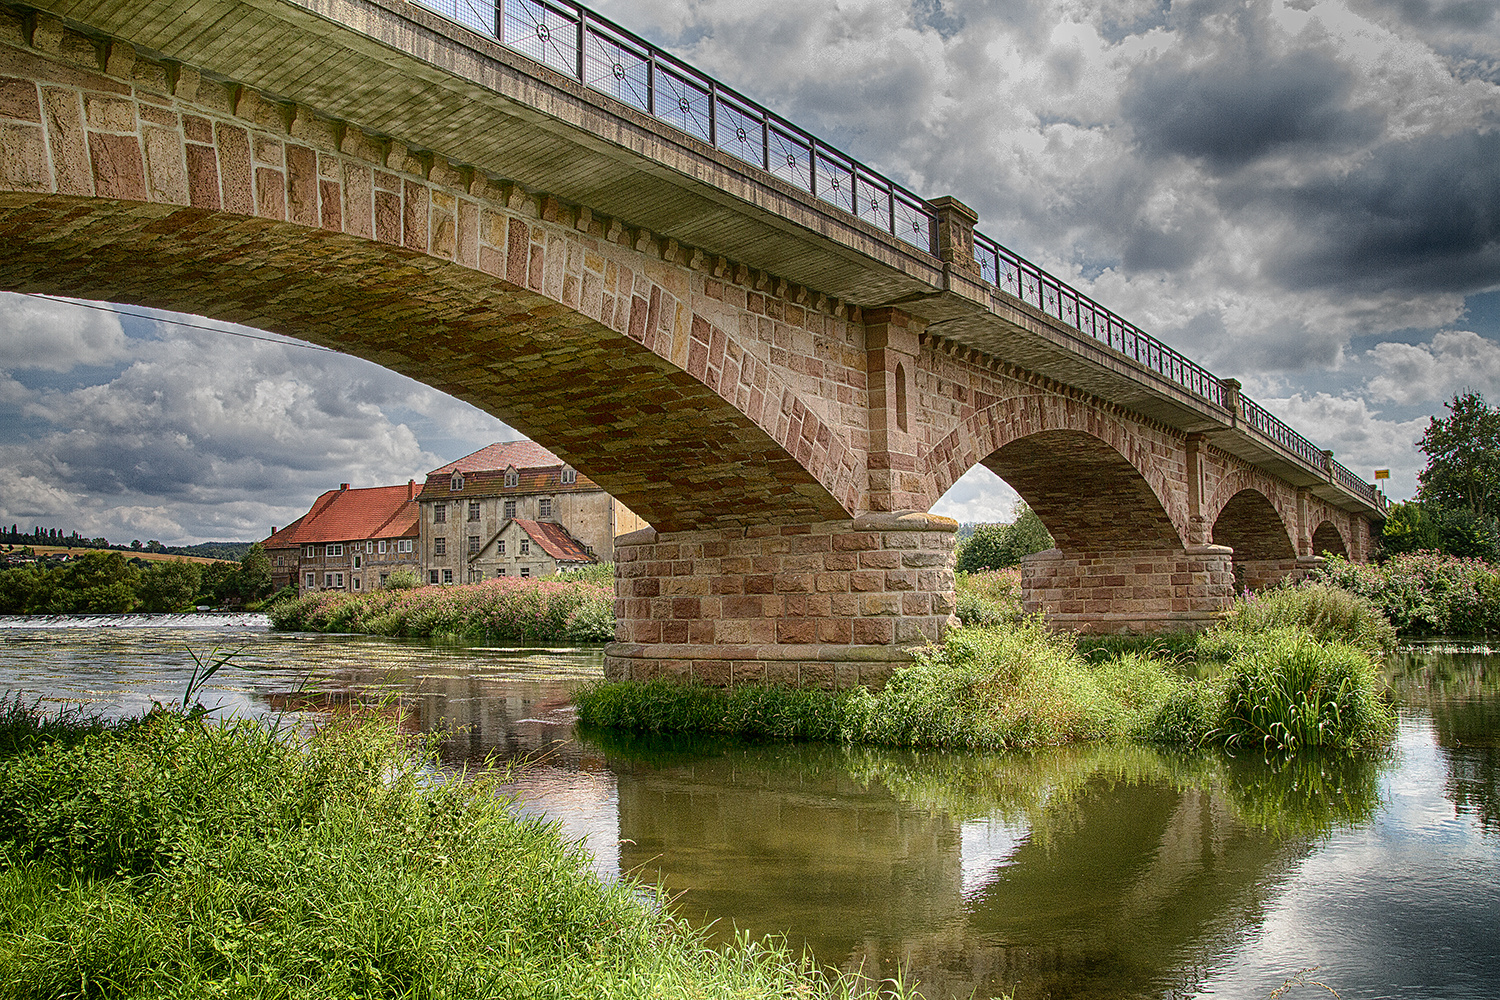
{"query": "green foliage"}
(988, 597)
(403, 578)
(601, 574)
(1284, 691)
(1324, 612)
(504, 608)
(169, 585)
(996, 546)
(172, 859)
(1425, 593)
(1463, 457)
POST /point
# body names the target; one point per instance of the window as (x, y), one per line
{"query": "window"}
(544, 508)
(432, 577)
(475, 575)
(525, 546)
(403, 544)
(384, 577)
(473, 543)
(335, 550)
(500, 546)
(309, 551)
(369, 547)
(357, 560)
(439, 513)
(381, 547)
(525, 570)
(355, 581)
(500, 571)
(440, 546)
(312, 580)
(457, 482)
(569, 475)
(473, 510)
(278, 560)
(447, 576)
(338, 580)
(512, 478)
(510, 508)
(328, 579)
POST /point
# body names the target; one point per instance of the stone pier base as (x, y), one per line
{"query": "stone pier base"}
(829, 605)
(1142, 591)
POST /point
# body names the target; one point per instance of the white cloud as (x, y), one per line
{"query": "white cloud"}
(980, 497)
(1360, 439)
(1452, 362)
(39, 334)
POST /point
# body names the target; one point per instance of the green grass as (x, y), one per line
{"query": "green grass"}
(169, 859)
(1286, 671)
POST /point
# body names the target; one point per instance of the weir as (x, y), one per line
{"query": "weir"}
(755, 363)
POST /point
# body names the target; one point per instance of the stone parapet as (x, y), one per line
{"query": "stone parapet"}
(831, 604)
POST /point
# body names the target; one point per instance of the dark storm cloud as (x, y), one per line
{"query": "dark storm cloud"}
(1420, 216)
(1233, 112)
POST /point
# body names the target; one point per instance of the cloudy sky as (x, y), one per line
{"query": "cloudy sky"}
(1301, 194)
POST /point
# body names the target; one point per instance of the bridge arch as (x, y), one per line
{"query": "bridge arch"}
(1091, 479)
(1328, 539)
(536, 313)
(1250, 519)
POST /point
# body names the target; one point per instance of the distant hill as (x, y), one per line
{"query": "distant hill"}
(228, 551)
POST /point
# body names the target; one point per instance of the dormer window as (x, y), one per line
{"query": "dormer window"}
(457, 482)
(512, 477)
(569, 475)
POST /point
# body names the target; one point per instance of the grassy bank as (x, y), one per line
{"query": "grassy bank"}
(1288, 670)
(508, 608)
(166, 858)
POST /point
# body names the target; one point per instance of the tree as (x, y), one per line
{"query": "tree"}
(255, 573)
(1463, 458)
(169, 585)
(996, 546)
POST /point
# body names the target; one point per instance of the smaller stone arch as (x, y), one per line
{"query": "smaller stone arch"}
(1328, 540)
(1264, 548)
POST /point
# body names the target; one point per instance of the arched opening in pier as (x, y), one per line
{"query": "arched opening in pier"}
(1252, 527)
(1327, 541)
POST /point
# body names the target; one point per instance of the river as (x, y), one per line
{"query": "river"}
(1095, 872)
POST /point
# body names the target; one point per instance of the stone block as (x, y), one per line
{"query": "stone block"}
(23, 158)
(119, 171)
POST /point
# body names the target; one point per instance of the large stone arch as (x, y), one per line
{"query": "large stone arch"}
(206, 198)
(1061, 453)
(1264, 547)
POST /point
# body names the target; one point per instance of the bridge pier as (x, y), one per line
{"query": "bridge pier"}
(1138, 590)
(831, 605)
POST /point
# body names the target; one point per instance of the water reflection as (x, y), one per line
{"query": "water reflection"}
(1097, 871)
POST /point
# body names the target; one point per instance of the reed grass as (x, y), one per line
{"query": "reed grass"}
(174, 859)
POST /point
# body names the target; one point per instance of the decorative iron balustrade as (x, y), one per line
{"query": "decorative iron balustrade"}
(575, 41)
(578, 43)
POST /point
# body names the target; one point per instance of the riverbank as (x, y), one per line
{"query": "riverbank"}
(1287, 670)
(164, 857)
(510, 608)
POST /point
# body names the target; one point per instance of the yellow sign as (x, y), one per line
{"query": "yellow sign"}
(1382, 473)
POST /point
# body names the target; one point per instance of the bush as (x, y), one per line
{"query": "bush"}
(1323, 612)
(1285, 691)
(988, 598)
(172, 859)
(508, 608)
(1424, 593)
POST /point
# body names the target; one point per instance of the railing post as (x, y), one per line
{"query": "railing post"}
(955, 233)
(1231, 390)
(1328, 464)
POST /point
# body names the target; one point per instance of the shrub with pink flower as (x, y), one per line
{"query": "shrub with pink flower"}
(1425, 593)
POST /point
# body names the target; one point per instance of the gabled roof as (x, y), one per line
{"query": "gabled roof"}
(522, 454)
(491, 482)
(352, 515)
(555, 541)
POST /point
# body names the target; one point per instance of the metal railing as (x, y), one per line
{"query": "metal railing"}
(1017, 276)
(575, 41)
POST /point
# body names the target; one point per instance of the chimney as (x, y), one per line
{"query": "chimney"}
(343, 486)
(411, 489)
(273, 529)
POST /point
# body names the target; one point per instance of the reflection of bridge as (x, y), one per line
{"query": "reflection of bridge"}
(1114, 888)
(766, 349)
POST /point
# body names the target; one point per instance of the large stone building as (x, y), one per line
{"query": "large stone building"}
(514, 509)
(350, 540)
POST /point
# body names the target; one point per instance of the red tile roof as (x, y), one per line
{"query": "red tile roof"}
(555, 541)
(352, 515)
(491, 482)
(522, 454)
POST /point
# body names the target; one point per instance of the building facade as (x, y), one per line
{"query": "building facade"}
(514, 509)
(350, 540)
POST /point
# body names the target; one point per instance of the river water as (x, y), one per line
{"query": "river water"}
(1096, 872)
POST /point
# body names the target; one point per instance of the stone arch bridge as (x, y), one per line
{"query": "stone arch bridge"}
(782, 372)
